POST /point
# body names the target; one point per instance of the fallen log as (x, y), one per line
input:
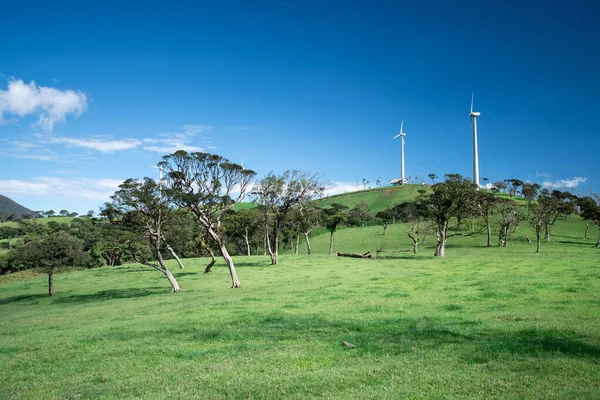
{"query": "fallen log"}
(365, 255)
(394, 251)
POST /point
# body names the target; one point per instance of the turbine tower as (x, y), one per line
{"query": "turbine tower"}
(403, 179)
(474, 116)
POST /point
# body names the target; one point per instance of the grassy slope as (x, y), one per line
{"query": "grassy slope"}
(484, 322)
(378, 199)
(60, 220)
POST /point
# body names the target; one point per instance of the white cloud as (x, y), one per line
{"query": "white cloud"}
(104, 146)
(566, 183)
(170, 142)
(341, 187)
(164, 143)
(49, 104)
(78, 188)
(542, 175)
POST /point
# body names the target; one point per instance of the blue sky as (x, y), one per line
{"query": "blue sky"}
(92, 94)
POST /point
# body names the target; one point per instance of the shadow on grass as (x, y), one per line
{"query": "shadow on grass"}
(469, 338)
(23, 297)
(129, 293)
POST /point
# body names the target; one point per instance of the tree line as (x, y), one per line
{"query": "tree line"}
(191, 213)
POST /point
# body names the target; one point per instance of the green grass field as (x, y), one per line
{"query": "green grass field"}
(60, 220)
(481, 323)
(378, 199)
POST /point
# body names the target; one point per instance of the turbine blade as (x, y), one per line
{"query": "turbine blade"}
(472, 98)
(401, 125)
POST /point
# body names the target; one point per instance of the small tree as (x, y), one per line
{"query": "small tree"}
(278, 195)
(333, 216)
(453, 198)
(63, 213)
(486, 202)
(433, 177)
(360, 213)
(539, 217)
(591, 212)
(509, 220)
(51, 252)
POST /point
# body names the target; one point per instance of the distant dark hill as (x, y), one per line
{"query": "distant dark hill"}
(10, 208)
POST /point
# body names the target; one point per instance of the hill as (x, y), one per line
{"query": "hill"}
(9, 207)
(377, 199)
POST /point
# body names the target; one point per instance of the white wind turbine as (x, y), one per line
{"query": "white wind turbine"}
(401, 135)
(473, 115)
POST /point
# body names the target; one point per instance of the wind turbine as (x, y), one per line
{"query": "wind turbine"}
(403, 180)
(473, 115)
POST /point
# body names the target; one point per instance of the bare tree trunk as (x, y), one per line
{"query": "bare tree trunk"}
(331, 243)
(489, 234)
(165, 270)
(265, 242)
(206, 245)
(247, 241)
(415, 246)
(50, 283)
(384, 228)
(547, 233)
(440, 250)
(235, 282)
(212, 261)
(174, 255)
(307, 242)
(274, 253)
(505, 243)
(598, 242)
(587, 228)
(297, 243)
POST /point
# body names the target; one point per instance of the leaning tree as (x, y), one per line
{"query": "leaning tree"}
(138, 207)
(207, 185)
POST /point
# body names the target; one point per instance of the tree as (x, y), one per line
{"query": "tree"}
(513, 186)
(140, 208)
(333, 216)
(90, 213)
(204, 183)
(584, 203)
(452, 198)
(486, 202)
(49, 213)
(360, 213)
(500, 185)
(51, 252)
(509, 219)
(530, 191)
(433, 177)
(278, 194)
(308, 217)
(590, 211)
(63, 213)
(365, 183)
(539, 217)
